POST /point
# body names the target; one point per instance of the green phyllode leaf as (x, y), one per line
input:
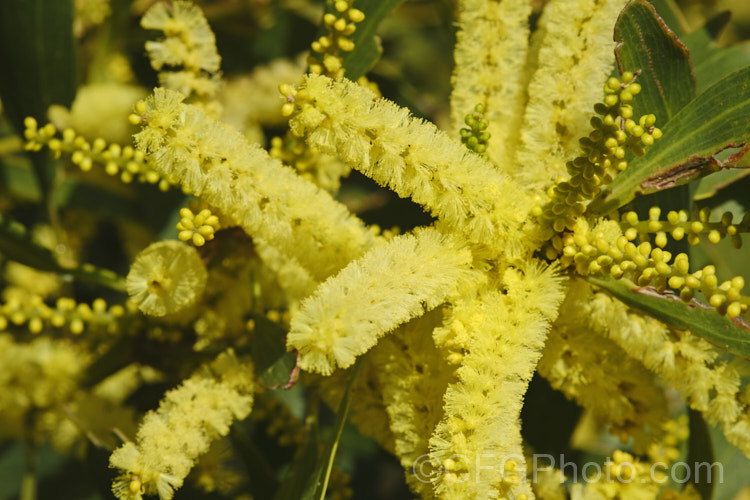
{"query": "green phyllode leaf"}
(715, 121)
(38, 57)
(645, 43)
(318, 483)
(367, 49)
(274, 366)
(16, 244)
(730, 335)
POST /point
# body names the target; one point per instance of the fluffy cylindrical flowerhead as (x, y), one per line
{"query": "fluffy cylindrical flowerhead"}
(410, 156)
(389, 285)
(267, 199)
(189, 418)
(166, 278)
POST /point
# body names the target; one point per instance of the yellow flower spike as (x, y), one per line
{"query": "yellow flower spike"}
(189, 418)
(166, 278)
(330, 334)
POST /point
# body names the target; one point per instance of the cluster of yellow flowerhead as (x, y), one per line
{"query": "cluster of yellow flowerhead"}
(189, 44)
(645, 265)
(126, 162)
(475, 137)
(197, 228)
(603, 153)
(340, 27)
(324, 170)
(679, 226)
(66, 314)
(189, 418)
(666, 449)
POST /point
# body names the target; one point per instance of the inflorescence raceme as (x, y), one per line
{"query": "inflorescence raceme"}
(602, 153)
(126, 162)
(599, 252)
(327, 48)
(679, 226)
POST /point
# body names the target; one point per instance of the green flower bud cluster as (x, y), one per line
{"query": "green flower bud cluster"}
(341, 26)
(126, 162)
(679, 226)
(649, 266)
(66, 315)
(475, 137)
(603, 153)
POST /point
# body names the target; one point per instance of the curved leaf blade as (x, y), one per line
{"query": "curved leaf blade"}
(716, 120)
(318, 483)
(16, 244)
(730, 335)
(38, 57)
(367, 49)
(646, 43)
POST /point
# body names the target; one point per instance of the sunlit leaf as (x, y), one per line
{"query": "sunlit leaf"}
(716, 120)
(730, 335)
(645, 43)
(367, 48)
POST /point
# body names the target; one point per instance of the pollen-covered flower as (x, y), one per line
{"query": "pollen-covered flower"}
(166, 277)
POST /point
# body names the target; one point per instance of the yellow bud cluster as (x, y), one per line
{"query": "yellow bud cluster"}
(341, 24)
(293, 151)
(321, 169)
(199, 228)
(647, 266)
(666, 448)
(66, 315)
(126, 162)
(679, 226)
(624, 468)
(603, 153)
(475, 137)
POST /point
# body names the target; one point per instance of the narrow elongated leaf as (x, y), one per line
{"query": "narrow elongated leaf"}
(316, 488)
(39, 66)
(16, 244)
(712, 62)
(367, 49)
(721, 62)
(730, 335)
(727, 472)
(716, 120)
(700, 451)
(274, 366)
(38, 57)
(647, 44)
(702, 42)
